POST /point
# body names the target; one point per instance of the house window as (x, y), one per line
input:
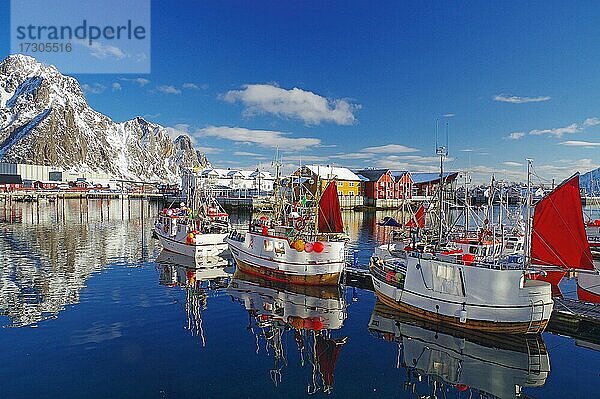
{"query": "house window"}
(351, 193)
(351, 184)
(340, 184)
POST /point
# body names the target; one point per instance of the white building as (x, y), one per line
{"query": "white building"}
(43, 173)
(227, 182)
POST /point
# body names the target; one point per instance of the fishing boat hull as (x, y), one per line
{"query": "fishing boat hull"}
(588, 287)
(204, 245)
(274, 259)
(469, 297)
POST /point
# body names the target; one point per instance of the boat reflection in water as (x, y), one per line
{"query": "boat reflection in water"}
(310, 313)
(444, 360)
(198, 278)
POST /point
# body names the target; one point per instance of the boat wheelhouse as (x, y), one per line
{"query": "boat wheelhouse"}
(294, 248)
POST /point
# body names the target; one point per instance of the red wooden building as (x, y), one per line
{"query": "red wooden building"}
(385, 184)
(10, 182)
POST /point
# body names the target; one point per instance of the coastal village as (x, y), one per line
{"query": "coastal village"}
(367, 188)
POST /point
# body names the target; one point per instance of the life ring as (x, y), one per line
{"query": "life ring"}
(300, 224)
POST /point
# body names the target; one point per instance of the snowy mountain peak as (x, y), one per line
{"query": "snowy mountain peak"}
(46, 120)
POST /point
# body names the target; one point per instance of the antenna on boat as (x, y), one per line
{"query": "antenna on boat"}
(442, 152)
(528, 215)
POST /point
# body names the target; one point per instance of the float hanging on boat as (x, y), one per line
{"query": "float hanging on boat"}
(295, 241)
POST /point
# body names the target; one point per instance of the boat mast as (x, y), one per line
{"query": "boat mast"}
(527, 249)
(442, 151)
(467, 204)
(277, 163)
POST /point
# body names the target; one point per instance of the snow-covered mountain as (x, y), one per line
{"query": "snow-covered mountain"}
(46, 120)
(590, 182)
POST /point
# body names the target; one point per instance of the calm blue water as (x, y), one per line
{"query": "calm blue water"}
(88, 311)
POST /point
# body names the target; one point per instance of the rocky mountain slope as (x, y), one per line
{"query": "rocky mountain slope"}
(46, 120)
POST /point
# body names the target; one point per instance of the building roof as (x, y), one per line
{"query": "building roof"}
(372, 174)
(423, 178)
(398, 174)
(10, 179)
(333, 172)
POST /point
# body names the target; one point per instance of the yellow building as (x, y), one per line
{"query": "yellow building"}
(348, 183)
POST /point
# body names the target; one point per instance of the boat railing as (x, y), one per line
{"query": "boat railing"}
(510, 262)
(388, 274)
(237, 236)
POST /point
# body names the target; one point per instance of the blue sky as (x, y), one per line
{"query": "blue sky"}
(363, 83)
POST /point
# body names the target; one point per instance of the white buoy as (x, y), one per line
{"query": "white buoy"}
(463, 316)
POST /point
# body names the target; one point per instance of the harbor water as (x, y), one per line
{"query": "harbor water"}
(89, 307)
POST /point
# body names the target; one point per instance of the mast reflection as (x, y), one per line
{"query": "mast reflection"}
(198, 279)
(310, 314)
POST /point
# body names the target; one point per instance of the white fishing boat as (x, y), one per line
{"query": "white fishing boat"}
(500, 295)
(478, 364)
(308, 313)
(194, 233)
(297, 246)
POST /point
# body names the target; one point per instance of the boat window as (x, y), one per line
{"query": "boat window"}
(473, 250)
(268, 245)
(280, 247)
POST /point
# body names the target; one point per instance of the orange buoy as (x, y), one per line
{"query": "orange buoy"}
(299, 245)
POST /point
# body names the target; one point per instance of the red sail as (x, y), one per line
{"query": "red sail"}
(330, 216)
(558, 237)
(418, 219)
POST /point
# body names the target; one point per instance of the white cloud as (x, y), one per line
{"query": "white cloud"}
(577, 143)
(168, 89)
(449, 115)
(95, 88)
(294, 103)
(515, 136)
(389, 149)
(139, 81)
(191, 86)
(304, 158)
(520, 100)
(178, 130)
(101, 51)
(262, 138)
(512, 163)
(591, 122)
(116, 86)
(559, 131)
(246, 154)
(208, 150)
(353, 155)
